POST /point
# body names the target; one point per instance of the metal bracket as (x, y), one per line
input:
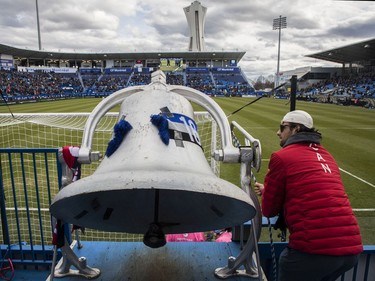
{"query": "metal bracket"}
(232, 270)
(69, 258)
(249, 256)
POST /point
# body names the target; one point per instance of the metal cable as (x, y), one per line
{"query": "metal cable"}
(273, 255)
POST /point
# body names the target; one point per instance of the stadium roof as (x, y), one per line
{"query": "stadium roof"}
(354, 53)
(34, 54)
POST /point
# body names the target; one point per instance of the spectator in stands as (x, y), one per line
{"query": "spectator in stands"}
(303, 182)
(186, 237)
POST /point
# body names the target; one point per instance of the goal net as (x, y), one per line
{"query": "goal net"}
(53, 130)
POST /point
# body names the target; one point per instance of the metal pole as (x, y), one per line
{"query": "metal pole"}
(278, 57)
(4, 222)
(279, 24)
(293, 91)
(37, 22)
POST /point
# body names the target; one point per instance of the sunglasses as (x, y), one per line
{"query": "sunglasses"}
(282, 127)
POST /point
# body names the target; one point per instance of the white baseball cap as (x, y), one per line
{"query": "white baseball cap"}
(299, 117)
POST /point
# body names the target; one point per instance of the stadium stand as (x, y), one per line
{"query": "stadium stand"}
(30, 86)
(23, 86)
(356, 89)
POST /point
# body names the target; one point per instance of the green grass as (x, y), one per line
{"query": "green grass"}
(348, 133)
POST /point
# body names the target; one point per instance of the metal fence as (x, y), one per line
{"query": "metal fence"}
(29, 178)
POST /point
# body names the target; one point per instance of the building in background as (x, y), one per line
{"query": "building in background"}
(196, 15)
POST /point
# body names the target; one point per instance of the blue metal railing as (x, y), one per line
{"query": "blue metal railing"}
(28, 180)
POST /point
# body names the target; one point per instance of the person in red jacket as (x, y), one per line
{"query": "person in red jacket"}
(303, 183)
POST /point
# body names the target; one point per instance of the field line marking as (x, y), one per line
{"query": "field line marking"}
(364, 210)
(358, 178)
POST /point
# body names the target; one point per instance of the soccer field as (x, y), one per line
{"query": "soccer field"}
(348, 133)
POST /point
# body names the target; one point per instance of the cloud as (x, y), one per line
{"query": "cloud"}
(149, 25)
(357, 28)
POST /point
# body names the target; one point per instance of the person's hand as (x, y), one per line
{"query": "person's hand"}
(258, 188)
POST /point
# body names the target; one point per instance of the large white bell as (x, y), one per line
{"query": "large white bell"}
(148, 182)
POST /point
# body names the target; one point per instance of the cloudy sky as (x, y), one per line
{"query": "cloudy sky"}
(161, 25)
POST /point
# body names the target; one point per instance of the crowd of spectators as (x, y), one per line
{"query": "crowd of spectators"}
(173, 78)
(351, 89)
(214, 84)
(112, 83)
(200, 82)
(354, 89)
(139, 79)
(37, 84)
(89, 80)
